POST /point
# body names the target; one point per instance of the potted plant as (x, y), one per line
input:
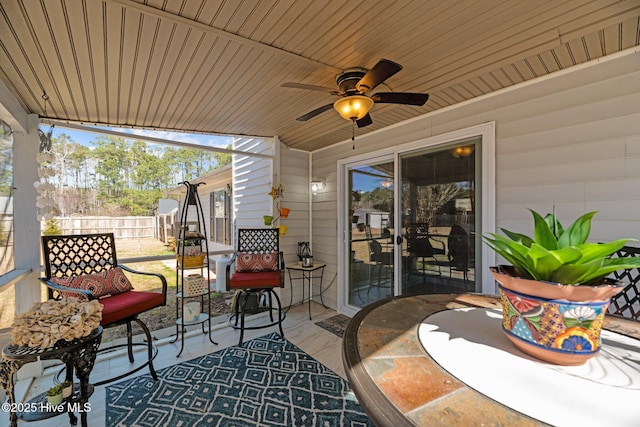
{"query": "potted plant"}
(277, 193)
(556, 292)
(54, 395)
(67, 389)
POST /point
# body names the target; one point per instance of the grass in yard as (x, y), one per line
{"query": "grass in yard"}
(160, 317)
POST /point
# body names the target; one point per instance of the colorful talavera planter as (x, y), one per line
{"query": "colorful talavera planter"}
(559, 324)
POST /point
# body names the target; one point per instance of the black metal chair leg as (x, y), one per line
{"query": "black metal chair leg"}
(242, 313)
(130, 342)
(144, 327)
(271, 291)
(238, 302)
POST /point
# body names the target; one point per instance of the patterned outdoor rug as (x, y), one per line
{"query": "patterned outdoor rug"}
(266, 382)
(336, 324)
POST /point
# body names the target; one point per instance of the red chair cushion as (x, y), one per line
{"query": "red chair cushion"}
(262, 279)
(121, 306)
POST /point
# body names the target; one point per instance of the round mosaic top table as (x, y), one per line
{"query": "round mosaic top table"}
(399, 383)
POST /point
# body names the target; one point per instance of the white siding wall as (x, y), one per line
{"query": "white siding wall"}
(294, 175)
(252, 181)
(571, 141)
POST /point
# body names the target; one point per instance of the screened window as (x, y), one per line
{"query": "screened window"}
(6, 223)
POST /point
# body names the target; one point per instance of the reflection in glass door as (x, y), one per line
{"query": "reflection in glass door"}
(370, 225)
(438, 202)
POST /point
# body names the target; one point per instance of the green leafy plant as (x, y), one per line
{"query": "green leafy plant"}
(55, 390)
(51, 228)
(559, 255)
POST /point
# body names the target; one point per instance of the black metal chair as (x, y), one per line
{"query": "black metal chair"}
(259, 269)
(461, 252)
(627, 303)
(421, 245)
(83, 266)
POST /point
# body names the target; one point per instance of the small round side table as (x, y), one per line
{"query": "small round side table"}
(78, 355)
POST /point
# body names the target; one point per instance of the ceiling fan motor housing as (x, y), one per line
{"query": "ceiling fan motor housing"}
(348, 79)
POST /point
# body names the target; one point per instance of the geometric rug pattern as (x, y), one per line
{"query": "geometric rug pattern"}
(267, 381)
(336, 324)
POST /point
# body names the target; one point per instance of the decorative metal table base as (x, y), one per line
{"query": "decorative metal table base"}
(78, 355)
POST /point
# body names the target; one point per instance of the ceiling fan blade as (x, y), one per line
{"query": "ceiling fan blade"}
(308, 87)
(317, 111)
(406, 98)
(379, 73)
(365, 121)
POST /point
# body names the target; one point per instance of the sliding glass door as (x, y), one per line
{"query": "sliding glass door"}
(411, 216)
(370, 231)
(438, 212)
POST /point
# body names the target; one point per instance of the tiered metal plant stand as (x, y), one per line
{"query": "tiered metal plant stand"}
(192, 238)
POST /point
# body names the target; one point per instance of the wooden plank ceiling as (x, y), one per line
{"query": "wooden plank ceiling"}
(217, 66)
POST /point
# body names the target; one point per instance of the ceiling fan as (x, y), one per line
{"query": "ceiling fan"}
(353, 84)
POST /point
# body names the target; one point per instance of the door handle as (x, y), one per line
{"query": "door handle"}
(398, 240)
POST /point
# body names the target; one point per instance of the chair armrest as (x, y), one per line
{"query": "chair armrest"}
(146, 273)
(228, 272)
(439, 245)
(55, 287)
(281, 267)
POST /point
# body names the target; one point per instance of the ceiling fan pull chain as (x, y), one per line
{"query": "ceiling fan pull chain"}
(353, 134)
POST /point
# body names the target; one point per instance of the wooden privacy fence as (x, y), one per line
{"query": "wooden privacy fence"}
(123, 227)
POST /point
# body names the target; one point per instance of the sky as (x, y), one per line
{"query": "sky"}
(84, 138)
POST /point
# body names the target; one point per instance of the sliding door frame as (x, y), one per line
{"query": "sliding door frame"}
(488, 200)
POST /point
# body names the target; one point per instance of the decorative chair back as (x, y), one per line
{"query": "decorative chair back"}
(258, 240)
(419, 242)
(75, 255)
(627, 302)
(259, 269)
(86, 255)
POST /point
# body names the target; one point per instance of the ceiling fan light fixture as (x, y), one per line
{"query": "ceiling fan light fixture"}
(462, 151)
(353, 107)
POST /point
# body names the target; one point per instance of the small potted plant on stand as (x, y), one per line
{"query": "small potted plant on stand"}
(54, 395)
(556, 292)
(67, 389)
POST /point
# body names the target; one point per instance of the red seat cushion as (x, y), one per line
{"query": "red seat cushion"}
(121, 306)
(262, 279)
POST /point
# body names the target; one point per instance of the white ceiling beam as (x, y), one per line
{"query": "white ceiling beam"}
(151, 139)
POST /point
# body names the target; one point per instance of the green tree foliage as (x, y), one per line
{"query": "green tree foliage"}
(189, 163)
(6, 162)
(379, 198)
(117, 177)
(150, 172)
(113, 164)
(51, 228)
(222, 158)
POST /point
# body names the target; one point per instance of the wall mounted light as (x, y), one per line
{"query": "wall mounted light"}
(318, 184)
